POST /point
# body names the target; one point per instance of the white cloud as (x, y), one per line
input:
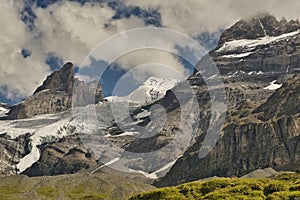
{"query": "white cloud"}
(167, 64)
(18, 74)
(71, 30)
(195, 16)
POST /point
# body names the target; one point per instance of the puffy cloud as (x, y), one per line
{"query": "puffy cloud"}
(195, 16)
(18, 75)
(160, 64)
(70, 30)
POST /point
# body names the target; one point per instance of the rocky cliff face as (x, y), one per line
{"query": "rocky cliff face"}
(61, 80)
(262, 124)
(250, 140)
(56, 95)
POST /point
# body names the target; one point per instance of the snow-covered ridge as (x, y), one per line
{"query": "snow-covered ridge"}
(249, 45)
(151, 90)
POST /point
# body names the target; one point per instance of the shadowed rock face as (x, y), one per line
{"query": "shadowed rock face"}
(56, 95)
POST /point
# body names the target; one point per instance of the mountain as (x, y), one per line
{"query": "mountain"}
(261, 25)
(261, 76)
(151, 90)
(265, 49)
(55, 95)
(43, 118)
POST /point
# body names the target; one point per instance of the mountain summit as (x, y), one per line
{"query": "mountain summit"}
(56, 95)
(61, 80)
(264, 24)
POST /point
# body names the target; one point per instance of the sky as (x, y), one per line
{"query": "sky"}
(38, 36)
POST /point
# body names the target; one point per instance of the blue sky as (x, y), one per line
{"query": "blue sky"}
(38, 36)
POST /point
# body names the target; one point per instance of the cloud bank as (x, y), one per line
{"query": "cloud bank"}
(195, 16)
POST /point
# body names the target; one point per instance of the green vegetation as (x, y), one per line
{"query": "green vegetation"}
(284, 186)
(48, 191)
(85, 186)
(81, 186)
(6, 191)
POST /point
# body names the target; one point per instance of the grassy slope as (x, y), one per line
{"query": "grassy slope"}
(283, 186)
(76, 186)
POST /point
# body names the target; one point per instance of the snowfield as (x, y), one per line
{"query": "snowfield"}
(151, 90)
(249, 45)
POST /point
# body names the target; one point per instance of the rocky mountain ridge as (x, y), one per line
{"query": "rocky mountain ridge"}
(55, 95)
(261, 25)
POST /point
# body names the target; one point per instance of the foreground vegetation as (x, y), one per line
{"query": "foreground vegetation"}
(74, 187)
(283, 186)
(105, 187)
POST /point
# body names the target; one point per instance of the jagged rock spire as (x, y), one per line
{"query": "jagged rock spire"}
(61, 80)
(56, 95)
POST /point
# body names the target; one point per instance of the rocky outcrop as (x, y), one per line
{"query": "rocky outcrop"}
(66, 156)
(11, 151)
(61, 80)
(282, 102)
(56, 95)
(261, 173)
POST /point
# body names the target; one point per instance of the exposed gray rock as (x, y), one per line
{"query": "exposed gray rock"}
(263, 24)
(261, 173)
(11, 151)
(56, 95)
(61, 80)
(66, 156)
(4, 105)
(247, 142)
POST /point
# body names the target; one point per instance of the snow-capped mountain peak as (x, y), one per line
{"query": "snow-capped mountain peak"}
(151, 90)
